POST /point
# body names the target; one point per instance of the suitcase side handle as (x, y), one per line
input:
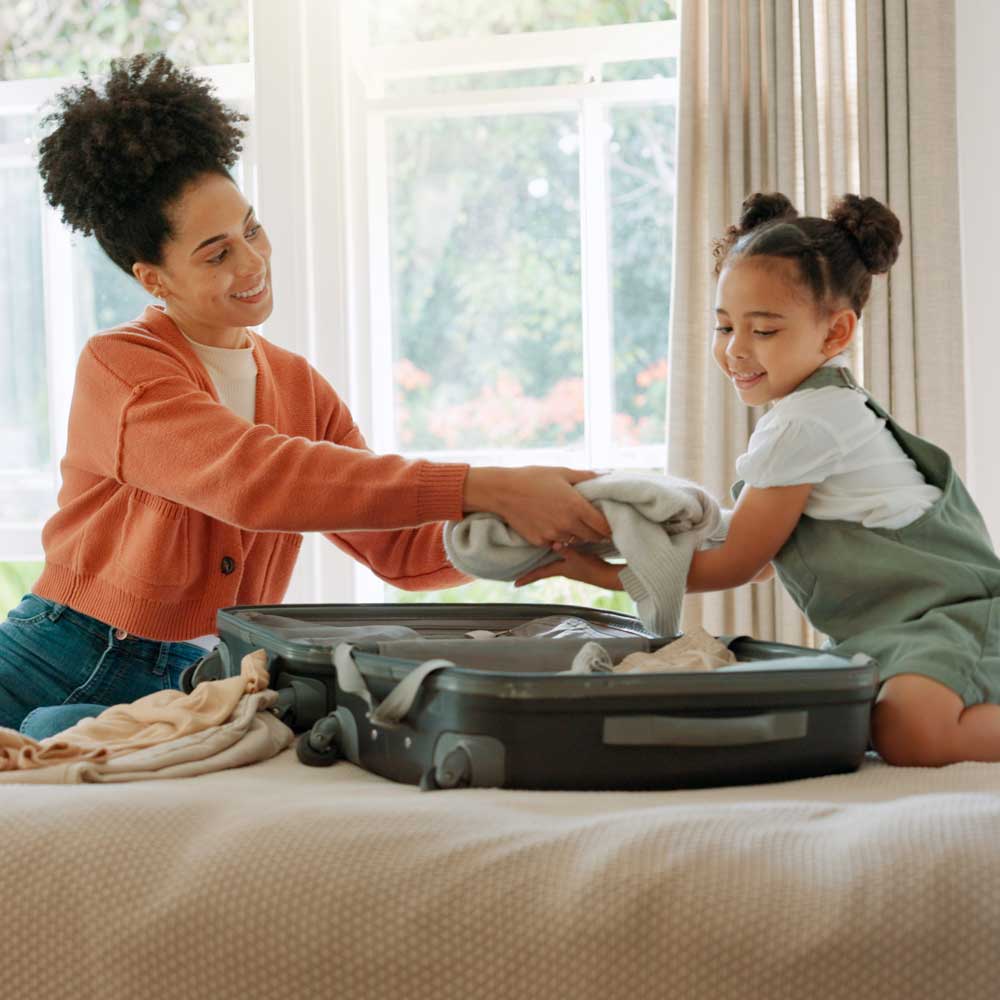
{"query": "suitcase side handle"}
(391, 710)
(709, 731)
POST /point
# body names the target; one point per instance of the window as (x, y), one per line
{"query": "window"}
(503, 191)
(517, 183)
(60, 288)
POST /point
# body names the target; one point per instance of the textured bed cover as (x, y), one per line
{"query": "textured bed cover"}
(283, 880)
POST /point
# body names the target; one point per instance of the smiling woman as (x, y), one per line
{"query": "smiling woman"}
(198, 452)
(216, 286)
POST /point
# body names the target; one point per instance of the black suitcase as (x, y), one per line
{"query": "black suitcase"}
(440, 709)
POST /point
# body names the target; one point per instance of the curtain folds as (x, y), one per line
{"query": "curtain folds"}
(814, 98)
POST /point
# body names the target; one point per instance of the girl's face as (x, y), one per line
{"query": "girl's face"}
(770, 334)
(216, 274)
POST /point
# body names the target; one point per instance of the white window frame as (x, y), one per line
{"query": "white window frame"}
(322, 194)
(21, 540)
(588, 48)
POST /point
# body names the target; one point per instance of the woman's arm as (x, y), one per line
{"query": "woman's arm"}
(539, 503)
(762, 522)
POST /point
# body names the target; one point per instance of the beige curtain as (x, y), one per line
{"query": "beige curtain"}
(769, 100)
(913, 354)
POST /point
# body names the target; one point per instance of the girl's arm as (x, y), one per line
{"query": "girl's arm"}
(761, 524)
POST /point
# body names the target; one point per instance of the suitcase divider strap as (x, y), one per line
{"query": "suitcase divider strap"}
(394, 706)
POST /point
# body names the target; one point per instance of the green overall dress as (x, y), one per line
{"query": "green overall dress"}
(920, 599)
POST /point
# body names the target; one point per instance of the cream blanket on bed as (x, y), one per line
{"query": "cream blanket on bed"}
(281, 880)
(168, 734)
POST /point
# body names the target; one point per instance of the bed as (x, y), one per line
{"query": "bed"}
(280, 880)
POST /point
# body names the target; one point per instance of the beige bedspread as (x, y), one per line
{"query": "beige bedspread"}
(279, 880)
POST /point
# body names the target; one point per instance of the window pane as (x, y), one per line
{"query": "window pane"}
(555, 590)
(485, 258)
(65, 38)
(16, 579)
(395, 22)
(640, 69)
(17, 128)
(104, 295)
(24, 418)
(641, 185)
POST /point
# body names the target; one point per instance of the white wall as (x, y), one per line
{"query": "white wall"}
(977, 36)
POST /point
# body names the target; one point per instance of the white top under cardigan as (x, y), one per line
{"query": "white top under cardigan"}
(233, 372)
(831, 438)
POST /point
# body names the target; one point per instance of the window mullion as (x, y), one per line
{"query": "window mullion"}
(368, 587)
(380, 310)
(598, 354)
(60, 326)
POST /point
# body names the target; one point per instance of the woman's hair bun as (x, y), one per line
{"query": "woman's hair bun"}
(148, 128)
(764, 207)
(874, 229)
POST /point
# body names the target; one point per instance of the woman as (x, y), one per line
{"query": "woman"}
(198, 452)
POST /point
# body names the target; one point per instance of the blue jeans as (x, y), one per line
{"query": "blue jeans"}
(58, 666)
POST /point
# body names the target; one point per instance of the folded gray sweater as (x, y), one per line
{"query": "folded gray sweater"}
(657, 522)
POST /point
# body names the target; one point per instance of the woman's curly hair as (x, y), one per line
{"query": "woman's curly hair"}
(836, 256)
(115, 160)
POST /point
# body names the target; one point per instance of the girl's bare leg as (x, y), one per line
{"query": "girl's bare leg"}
(919, 722)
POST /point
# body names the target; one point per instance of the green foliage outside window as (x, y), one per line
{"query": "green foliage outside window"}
(16, 579)
(555, 590)
(43, 38)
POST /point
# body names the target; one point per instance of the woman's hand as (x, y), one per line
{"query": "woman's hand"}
(538, 502)
(577, 566)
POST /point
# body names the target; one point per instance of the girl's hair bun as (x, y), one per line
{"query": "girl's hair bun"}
(757, 209)
(764, 207)
(874, 229)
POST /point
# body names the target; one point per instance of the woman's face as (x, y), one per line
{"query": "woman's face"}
(215, 276)
(769, 333)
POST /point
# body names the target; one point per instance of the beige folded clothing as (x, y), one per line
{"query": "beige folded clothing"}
(166, 734)
(695, 650)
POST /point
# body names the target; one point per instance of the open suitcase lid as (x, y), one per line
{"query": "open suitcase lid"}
(773, 670)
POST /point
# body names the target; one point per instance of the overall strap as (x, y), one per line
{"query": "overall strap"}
(841, 376)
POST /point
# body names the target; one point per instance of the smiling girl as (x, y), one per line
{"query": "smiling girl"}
(199, 451)
(868, 526)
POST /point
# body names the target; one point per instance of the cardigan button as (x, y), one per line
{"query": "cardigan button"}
(228, 565)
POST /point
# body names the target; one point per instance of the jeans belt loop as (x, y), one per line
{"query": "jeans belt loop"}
(56, 613)
(160, 667)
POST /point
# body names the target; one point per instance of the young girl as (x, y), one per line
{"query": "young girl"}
(198, 451)
(868, 526)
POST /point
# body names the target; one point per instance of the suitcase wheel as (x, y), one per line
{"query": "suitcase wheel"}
(455, 771)
(213, 666)
(187, 684)
(318, 747)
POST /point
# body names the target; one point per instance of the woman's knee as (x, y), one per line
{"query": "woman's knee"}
(41, 723)
(914, 722)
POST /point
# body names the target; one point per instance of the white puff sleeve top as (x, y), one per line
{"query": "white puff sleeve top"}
(831, 438)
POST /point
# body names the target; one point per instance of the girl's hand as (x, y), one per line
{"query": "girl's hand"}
(577, 566)
(538, 502)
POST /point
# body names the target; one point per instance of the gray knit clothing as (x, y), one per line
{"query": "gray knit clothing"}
(656, 523)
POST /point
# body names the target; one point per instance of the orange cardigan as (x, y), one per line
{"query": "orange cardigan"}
(173, 506)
